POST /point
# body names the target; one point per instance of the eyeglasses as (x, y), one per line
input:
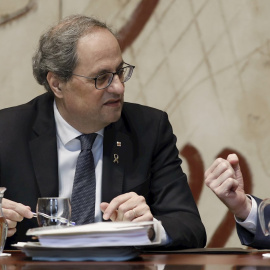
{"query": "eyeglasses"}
(102, 81)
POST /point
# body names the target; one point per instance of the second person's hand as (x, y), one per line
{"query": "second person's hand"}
(224, 178)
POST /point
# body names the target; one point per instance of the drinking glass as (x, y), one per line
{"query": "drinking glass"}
(264, 216)
(53, 211)
(3, 222)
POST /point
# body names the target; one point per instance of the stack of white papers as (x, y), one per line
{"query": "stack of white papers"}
(41, 253)
(99, 234)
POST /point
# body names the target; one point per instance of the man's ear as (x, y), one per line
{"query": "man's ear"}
(55, 84)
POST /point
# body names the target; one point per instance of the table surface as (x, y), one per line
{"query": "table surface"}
(154, 261)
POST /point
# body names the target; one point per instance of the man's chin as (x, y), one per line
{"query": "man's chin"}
(113, 115)
(112, 118)
(116, 118)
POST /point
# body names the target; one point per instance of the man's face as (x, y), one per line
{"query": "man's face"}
(82, 105)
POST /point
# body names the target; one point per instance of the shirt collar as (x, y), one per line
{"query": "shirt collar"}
(65, 131)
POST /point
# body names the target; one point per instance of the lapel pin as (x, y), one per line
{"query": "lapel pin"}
(116, 158)
(118, 144)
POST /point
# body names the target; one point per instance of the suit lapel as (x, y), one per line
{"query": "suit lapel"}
(116, 146)
(43, 148)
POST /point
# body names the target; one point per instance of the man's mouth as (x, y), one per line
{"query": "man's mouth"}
(113, 102)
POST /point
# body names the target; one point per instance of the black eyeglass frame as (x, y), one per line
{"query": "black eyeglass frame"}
(113, 74)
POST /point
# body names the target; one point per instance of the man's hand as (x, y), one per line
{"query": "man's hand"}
(225, 179)
(127, 207)
(14, 212)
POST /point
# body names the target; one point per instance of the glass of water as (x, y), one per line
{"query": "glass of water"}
(264, 216)
(53, 211)
(3, 222)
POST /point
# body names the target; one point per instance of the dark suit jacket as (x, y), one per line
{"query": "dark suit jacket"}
(148, 165)
(257, 240)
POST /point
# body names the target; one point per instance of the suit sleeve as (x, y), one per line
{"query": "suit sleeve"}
(171, 199)
(257, 240)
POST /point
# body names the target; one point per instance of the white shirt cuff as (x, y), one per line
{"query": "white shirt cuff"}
(250, 223)
(165, 239)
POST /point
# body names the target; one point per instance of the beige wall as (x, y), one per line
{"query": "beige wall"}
(205, 62)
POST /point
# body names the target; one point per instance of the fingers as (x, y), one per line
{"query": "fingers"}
(233, 159)
(222, 180)
(11, 232)
(225, 189)
(220, 171)
(139, 213)
(115, 204)
(103, 207)
(224, 170)
(142, 213)
(127, 207)
(225, 179)
(14, 212)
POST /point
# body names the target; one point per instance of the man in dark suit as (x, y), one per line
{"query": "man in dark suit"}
(225, 179)
(137, 168)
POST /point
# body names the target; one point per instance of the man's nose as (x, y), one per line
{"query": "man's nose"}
(116, 86)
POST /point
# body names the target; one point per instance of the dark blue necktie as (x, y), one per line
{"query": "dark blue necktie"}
(84, 186)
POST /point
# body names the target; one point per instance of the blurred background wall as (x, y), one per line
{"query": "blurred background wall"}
(205, 62)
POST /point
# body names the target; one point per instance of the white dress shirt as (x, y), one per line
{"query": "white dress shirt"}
(68, 149)
(250, 223)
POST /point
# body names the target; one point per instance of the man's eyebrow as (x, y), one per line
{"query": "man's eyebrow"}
(102, 71)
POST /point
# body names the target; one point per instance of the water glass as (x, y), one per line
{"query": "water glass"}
(53, 211)
(264, 216)
(3, 222)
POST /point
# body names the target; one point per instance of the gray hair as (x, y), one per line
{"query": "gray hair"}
(57, 50)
